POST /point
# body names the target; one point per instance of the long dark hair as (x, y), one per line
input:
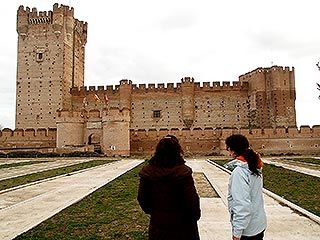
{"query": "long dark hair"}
(168, 153)
(239, 144)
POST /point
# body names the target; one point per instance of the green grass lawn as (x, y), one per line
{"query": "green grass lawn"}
(112, 212)
(18, 164)
(13, 182)
(304, 160)
(299, 188)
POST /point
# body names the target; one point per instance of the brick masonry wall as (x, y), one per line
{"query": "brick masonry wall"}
(211, 142)
(42, 140)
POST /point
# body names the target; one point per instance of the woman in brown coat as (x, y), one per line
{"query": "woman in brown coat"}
(167, 193)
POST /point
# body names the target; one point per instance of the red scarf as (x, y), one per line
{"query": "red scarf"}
(241, 158)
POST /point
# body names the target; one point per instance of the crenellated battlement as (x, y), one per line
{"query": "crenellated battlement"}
(207, 141)
(187, 80)
(28, 131)
(270, 133)
(61, 16)
(16, 137)
(44, 17)
(35, 17)
(63, 9)
(91, 90)
(125, 82)
(160, 87)
(260, 71)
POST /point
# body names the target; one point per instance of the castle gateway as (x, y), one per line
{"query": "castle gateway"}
(56, 112)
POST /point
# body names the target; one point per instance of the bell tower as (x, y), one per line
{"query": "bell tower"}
(50, 60)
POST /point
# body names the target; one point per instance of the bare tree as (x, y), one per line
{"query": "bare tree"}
(1, 127)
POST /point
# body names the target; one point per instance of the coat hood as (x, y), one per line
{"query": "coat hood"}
(155, 173)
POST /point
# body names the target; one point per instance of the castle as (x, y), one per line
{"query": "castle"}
(56, 112)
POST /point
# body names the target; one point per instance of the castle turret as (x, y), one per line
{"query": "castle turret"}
(125, 90)
(70, 129)
(116, 132)
(187, 101)
(50, 62)
(271, 97)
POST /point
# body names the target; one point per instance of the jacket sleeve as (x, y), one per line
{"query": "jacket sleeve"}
(241, 202)
(191, 198)
(144, 196)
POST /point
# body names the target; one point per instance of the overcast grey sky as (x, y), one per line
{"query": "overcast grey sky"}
(151, 41)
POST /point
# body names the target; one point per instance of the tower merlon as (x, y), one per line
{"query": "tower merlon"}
(63, 9)
(125, 82)
(265, 70)
(151, 86)
(187, 80)
(100, 88)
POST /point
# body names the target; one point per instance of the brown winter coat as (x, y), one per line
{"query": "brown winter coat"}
(169, 196)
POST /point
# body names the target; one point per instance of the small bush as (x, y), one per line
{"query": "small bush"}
(50, 155)
(35, 154)
(3, 155)
(81, 154)
(23, 154)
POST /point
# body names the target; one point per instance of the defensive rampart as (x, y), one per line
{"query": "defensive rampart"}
(303, 141)
(197, 141)
(113, 90)
(42, 140)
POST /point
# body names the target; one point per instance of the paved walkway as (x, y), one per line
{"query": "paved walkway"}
(283, 222)
(294, 166)
(6, 173)
(25, 208)
(10, 160)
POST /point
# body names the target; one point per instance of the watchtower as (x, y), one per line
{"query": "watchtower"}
(50, 60)
(271, 96)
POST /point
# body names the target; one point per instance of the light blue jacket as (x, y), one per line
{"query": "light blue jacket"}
(245, 201)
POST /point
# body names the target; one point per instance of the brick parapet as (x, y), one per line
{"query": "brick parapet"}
(29, 139)
(305, 140)
(260, 70)
(160, 87)
(290, 132)
(60, 13)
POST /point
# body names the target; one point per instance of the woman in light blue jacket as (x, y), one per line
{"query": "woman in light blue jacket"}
(245, 200)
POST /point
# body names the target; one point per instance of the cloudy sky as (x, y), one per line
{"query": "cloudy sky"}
(151, 41)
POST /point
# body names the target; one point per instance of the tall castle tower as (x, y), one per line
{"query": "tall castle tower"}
(272, 97)
(51, 53)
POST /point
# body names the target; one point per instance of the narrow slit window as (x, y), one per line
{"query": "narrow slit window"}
(39, 56)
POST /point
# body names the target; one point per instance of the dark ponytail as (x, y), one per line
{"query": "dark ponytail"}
(239, 144)
(253, 160)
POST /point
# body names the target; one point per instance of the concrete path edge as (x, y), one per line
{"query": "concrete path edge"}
(279, 199)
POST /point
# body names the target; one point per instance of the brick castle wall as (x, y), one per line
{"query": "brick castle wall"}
(42, 140)
(197, 141)
(301, 141)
